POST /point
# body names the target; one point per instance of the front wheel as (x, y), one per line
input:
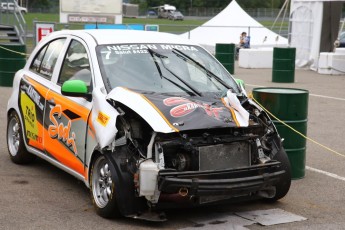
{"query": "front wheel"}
(283, 186)
(102, 187)
(15, 142)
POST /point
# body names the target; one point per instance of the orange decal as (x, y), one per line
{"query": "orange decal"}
(64, 156)
(102, 118)
(86, 173)
(82, 111)
(43, 91)
(37, 140)
(60, 131)
(38, 86)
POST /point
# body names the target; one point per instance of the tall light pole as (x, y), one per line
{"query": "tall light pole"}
(191, 7)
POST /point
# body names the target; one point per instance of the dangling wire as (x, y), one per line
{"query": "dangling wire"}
(337, 41)
(342, 27)
(281, 10)
(284, 7)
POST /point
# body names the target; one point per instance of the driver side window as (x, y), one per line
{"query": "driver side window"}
(76, 65)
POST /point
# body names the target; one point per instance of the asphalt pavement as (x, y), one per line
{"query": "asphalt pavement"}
(40, 196)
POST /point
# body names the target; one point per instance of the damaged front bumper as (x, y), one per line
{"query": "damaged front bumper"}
(224, 184)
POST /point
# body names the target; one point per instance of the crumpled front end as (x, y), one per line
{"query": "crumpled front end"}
(202, 167)
(219, 185)
(202, 155)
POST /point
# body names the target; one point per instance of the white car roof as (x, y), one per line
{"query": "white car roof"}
(114, 36)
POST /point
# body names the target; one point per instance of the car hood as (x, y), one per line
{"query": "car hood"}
(167, 113)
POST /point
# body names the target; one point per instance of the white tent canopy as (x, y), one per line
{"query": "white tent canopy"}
(227, 26)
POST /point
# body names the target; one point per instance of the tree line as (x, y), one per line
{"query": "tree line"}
(186, 4)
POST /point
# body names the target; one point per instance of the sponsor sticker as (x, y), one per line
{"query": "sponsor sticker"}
(185, 107)
(30, 121)
(103, 119)
(58, 130)
(33, 94)
(142, 48)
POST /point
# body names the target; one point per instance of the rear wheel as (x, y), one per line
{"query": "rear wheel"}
(102, 187)
(284, 183)
(15, 142)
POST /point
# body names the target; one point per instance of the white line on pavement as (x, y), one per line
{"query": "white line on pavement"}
(256, 85)
(328, 97)
(314, 95)
(335, 176)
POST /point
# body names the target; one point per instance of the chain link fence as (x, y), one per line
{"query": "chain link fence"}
(262, 15)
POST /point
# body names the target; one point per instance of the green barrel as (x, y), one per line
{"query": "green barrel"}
(225, 54)
(283, 65)
(290, 106)
(10, 62)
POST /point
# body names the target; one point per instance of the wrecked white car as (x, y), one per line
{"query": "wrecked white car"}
(147, 120)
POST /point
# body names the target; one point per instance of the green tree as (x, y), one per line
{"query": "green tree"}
(153, 3)
(261, 4)
(39, 4)
(142, 4)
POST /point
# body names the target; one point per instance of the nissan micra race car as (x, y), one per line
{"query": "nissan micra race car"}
(146, 120)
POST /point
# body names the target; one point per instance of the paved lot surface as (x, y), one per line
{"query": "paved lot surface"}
(40, 196)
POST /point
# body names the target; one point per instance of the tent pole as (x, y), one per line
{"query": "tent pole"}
(281, 10)
(281, 25)
(342, 27)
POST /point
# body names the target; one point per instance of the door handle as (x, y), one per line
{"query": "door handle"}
(51, 102)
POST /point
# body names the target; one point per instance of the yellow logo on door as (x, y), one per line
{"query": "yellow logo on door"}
(30, 121)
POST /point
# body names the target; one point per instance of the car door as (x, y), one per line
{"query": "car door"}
(66, 117)
(34, 87)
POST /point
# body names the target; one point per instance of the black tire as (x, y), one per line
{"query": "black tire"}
(15, 142)
(283, 186)
(102, 187)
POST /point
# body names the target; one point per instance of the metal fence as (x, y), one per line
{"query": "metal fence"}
(261, 14)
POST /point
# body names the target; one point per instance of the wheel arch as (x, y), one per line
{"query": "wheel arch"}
(128, 203)
(9, 111)
(93, 157)
(19, 155)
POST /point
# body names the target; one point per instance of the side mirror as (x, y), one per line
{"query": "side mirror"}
(75, 88)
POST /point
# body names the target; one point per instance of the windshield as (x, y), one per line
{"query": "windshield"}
(163, 68)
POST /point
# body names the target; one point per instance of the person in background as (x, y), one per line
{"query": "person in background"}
(244, 43)
(244, 40)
